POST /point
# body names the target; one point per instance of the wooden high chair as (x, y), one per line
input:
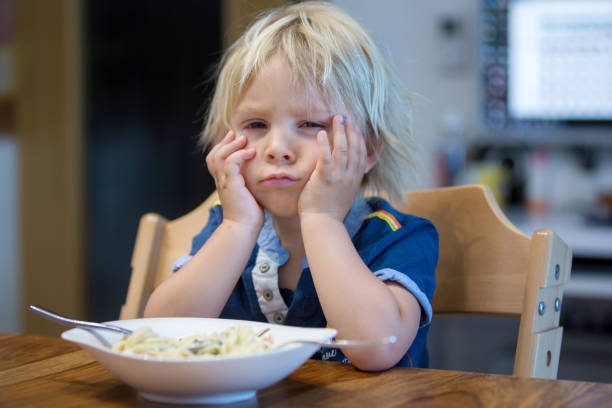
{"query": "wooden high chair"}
(486, 266)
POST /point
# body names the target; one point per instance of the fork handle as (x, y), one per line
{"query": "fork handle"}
(76, 323)
(345, 343)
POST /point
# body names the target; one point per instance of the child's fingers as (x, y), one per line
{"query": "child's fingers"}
(212, 154)
(232, 166)
(229, 147)
(220, 152)
(215, 160)
(357, 147)
(324, 162)
(235, 160)
(229, 135)
(340, 152)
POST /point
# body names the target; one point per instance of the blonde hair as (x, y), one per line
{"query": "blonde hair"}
(329, 52)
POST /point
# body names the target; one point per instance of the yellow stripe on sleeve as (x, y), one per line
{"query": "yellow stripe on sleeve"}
(387, 217)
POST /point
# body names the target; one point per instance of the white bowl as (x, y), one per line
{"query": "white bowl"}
(213, 379)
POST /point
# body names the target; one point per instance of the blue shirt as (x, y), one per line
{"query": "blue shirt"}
(395, 246)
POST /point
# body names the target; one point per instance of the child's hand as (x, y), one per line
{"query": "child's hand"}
(335, 182)
(224, 162)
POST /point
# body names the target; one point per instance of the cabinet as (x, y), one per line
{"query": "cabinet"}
(7, 68)
(48, 129)
(9, 246)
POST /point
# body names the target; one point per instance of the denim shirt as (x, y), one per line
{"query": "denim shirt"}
(395, 246)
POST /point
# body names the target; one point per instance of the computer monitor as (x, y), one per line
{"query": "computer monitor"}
(547, 69)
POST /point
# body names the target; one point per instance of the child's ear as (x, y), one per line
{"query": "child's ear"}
(374, 151)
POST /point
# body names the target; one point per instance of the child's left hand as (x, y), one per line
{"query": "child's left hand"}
(335, 182)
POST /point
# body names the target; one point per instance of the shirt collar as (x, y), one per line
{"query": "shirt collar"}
(269, 242)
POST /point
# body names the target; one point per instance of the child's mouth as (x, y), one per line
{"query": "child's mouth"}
(280, 180)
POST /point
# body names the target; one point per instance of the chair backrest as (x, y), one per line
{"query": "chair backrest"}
(159, 243)
(486, 267)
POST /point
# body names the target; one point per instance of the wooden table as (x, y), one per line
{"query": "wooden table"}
(50, 372)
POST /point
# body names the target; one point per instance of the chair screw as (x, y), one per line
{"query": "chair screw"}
(557, 270)
(541, 308)
(557, 304)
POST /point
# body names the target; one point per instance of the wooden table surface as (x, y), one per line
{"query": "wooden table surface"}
(50, 372)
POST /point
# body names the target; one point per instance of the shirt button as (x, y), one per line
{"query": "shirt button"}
(264, 267)
(267, 294)
(278, 318)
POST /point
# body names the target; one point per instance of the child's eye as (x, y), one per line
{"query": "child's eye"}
(255, 125)
(311, 125)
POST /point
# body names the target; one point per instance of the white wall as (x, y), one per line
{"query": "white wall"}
(409, 30)
(10, 286)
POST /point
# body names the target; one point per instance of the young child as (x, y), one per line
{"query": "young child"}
(312, 118)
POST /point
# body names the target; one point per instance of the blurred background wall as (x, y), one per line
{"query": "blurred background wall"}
(101, 103)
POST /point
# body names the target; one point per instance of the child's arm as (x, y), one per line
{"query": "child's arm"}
(203, 285)
(354, 301)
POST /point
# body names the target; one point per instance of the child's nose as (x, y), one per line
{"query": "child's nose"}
(278, 146)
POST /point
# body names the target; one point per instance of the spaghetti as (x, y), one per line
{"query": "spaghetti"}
(232, 341)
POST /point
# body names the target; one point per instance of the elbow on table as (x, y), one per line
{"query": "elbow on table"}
(380, 359)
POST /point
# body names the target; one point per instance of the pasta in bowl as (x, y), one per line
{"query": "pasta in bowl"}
(167, 373)
(231, 341)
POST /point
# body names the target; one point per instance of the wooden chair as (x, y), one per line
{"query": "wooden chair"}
(486, 267)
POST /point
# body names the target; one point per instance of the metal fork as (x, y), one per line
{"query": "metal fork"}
(77, 323)
(343, 343)
(329, 344)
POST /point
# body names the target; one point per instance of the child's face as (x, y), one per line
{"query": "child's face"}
(282, 128)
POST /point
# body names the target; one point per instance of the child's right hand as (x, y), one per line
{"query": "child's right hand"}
(224, 162)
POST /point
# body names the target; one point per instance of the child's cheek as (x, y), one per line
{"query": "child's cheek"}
(247, 169)
(312, 165)
(249, 143)
(248, 173)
